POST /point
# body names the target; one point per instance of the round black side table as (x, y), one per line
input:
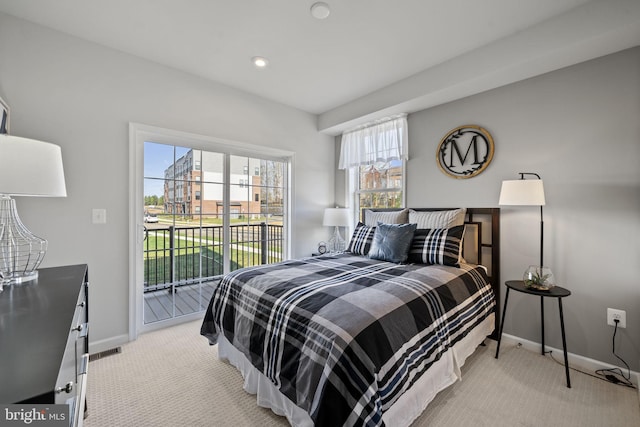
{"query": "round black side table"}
(555, 292)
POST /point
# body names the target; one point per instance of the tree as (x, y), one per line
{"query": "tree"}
(152, 200)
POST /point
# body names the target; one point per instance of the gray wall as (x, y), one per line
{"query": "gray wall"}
(82, 97)
(579, 128)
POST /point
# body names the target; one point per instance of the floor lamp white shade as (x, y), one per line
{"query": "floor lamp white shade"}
(522, 192)
(336, 217)
(525, 192)
(27, 168)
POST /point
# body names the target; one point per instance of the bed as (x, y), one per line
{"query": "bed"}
(361, 337)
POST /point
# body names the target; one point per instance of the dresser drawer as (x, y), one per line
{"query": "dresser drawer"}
(70, 385)
(70, 369)
(44, 340)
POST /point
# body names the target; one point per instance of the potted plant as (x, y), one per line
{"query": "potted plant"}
(540, 278)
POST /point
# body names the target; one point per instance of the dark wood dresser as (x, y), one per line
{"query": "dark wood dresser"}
(44, 340)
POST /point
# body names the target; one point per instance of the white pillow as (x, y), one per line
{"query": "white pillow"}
(437, 219)
(372, 218)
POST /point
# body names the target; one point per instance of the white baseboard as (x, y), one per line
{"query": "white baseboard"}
(119, 340)
(575, 361)
(150, 327)
(108, 344)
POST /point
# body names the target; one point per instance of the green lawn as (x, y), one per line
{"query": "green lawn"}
(211, 221)
(189, 258)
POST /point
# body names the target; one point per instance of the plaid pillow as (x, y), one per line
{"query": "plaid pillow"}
(437, 246)
(361, 239)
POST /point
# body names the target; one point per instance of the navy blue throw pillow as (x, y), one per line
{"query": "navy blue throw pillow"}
(391, 242)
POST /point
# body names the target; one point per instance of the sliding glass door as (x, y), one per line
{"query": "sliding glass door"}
(206, 213)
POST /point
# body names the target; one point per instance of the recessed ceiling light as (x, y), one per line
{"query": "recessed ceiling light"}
(320, 10)
(259, 61)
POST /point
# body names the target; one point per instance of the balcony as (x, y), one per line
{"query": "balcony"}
(183, 264)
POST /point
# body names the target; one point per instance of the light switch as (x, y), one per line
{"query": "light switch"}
(99, 216)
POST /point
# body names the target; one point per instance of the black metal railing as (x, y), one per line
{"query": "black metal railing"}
(181, 255)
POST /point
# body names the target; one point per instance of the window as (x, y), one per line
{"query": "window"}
(212, 219)
(201, 222)
(379, 185)
(375, 156)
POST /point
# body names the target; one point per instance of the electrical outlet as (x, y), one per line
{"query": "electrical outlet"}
(619, 315)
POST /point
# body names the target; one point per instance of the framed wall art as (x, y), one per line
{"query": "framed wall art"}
(465, 151)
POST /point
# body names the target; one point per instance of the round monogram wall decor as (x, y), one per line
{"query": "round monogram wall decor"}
(465, 151)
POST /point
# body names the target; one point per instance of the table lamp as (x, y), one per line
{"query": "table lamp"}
(336, 217)
(27, 168)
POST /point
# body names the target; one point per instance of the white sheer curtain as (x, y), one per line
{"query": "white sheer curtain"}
(379, 142)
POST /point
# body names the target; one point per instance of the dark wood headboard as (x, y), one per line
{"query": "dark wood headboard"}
(481, 245)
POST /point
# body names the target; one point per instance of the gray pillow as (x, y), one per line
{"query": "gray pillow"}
(391, 242)
(437, 219)
(372, 218)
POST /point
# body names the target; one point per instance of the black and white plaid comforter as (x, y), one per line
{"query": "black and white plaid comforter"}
(343, 336)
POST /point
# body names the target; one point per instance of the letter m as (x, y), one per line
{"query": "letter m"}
(472, 145)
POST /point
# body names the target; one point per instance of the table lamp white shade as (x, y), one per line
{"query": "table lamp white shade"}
(336, 217)
(30, 168)
(27, 168)
(522, 192)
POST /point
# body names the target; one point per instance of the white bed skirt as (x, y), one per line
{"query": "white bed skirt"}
(402, 413)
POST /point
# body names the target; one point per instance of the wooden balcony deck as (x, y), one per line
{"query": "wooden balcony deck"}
(163, 304)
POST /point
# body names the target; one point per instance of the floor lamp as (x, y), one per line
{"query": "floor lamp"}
(529, 192)
(27, 168)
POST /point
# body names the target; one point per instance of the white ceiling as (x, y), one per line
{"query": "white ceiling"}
(315, 65)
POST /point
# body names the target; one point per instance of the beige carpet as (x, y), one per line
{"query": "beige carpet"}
(172, 377)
